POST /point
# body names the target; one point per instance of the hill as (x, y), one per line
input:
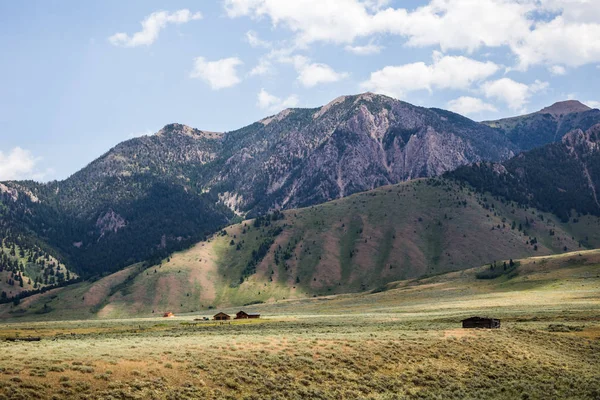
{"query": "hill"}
(356, 244)
(156, 194)
(548, 125)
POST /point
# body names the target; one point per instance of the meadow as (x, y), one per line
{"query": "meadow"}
(401, 341)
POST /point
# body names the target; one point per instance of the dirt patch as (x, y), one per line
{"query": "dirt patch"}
(101, 289)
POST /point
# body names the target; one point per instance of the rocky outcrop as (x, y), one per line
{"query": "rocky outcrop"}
(110, 222)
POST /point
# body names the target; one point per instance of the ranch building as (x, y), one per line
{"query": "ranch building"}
(222, 317)
(479, 322)
(245, 315)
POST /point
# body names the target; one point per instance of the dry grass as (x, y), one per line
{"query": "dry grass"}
(402, 343)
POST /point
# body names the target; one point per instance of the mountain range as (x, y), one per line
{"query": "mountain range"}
(153, 195)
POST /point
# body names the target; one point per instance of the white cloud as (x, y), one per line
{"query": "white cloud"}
(557, 70)
(218, 74)
(254, 41)
(20, 164)
(514, 94)
(309, 74)
(364, 50)
(593, 104)
(316, 73)
(440, 22)
(311, 20)
(446, 72)
(551, 32)
(469, 105)
(559, 41)
(264, 67)
(151, 27)
(267, 101)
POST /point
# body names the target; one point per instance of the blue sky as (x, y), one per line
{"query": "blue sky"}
(79, 77)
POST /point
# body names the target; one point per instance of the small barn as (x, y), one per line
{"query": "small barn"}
(245, 315)
(168, 315)
(479, 322)
(222, 317)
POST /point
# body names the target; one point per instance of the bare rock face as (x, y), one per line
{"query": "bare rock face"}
(110, 222)
(583, 142)
(355, 143)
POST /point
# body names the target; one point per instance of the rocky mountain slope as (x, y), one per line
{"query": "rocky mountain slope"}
(562, 178)
(547, 125)
(152, 195)
(301, 157)
(359, 243)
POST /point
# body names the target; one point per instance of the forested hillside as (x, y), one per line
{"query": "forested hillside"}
(561, 178)
(359, 243)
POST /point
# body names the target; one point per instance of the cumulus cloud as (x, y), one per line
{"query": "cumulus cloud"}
(218, 74)
(560, 41)
(313, 74)
(550, 32)
(364, 50)
(20, 164)
(515, 94)
(310, 74)
(151, 27)
(267, 101)
(446, 72)
(466, 105)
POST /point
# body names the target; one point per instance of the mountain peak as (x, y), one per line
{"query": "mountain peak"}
(180, 129)
(565, 107)
(367, 96)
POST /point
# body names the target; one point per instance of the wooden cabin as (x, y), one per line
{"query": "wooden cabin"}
(479, 322)
(245, 315)
(168, 315)
(222, 317)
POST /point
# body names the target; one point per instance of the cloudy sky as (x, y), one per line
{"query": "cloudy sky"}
(78, 77)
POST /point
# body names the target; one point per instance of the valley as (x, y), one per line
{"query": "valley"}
(404, 341)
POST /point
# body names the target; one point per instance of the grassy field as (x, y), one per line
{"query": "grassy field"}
(356, 244)
(402, 341)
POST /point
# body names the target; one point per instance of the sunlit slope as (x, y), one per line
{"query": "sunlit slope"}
(355, 244)
(558, 287)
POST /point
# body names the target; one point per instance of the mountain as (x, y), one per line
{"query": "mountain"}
(156, 194)
(358, 243)
(562, 178)
(301, 157)
(547, 125)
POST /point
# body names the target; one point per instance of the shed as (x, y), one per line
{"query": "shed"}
(480, 322)
(245, 315)
(222, 317)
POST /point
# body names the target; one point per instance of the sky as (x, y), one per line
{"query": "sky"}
(78, 77)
